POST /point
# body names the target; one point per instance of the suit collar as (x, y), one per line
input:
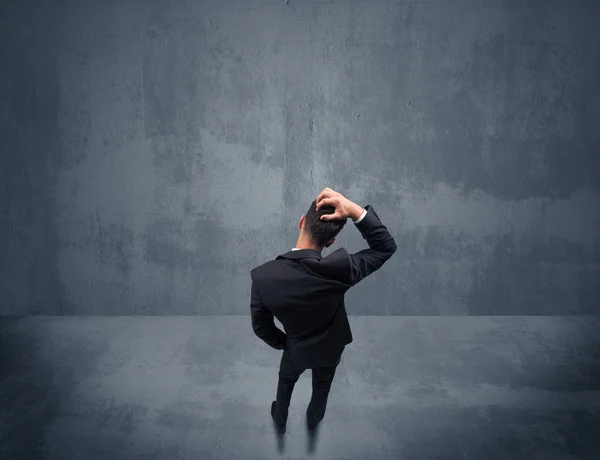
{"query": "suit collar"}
(301, 254)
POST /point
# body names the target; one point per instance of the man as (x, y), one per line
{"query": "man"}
(305, 291)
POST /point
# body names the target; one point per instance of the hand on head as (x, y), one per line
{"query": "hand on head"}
(344, 208)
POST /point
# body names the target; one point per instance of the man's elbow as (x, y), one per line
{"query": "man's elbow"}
(389, 250)
(392, 245)
(258, 330)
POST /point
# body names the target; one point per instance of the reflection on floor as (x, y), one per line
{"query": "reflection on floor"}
(201, 388)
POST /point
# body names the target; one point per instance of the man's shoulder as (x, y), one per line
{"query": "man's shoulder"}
(341, 253)
(337, 260)
(335, 265)
(260, 269)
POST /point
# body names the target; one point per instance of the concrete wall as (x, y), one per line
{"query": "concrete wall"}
(154, 152)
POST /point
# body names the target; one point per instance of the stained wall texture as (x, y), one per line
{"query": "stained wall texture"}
(154, 152)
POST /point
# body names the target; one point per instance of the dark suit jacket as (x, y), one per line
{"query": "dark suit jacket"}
(305, 292)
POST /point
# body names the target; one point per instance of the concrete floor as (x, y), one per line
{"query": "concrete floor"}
(200, 388)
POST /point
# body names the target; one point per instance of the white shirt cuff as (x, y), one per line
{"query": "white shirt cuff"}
(361, 217)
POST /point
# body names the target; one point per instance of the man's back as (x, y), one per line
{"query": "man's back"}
(305, 291)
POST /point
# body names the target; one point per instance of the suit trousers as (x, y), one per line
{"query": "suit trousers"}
(322, 376)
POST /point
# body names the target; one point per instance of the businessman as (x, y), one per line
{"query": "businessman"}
(305, 292)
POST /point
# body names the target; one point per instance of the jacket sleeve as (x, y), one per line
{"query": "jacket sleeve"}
(263, 323)
(381, 247)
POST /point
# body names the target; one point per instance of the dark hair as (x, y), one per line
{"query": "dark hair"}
(321, 231)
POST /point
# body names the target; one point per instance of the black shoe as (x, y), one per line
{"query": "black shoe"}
(311, 425)
(280, 428)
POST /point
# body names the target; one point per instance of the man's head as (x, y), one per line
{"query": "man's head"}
(317, 232)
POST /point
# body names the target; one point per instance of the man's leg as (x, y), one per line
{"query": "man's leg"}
(321, 384)
(288, 376)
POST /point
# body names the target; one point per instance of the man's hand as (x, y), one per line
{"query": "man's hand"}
(344, 208)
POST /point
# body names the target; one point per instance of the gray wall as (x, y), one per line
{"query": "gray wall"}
(154, 152)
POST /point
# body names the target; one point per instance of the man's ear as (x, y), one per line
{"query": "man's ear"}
(301, 223)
